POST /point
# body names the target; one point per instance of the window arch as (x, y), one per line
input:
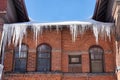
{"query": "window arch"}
(20, 60)
(96, 58)
(43, 58)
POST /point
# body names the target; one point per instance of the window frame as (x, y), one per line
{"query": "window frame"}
(102, 60)
(14, 58)
(75, 67)
(37, 54)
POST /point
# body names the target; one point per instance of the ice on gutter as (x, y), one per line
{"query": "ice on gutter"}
(14, 33)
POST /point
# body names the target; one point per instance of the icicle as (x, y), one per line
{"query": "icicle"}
(57, 28)
(73, 30)
(2, 38)
(37, 29)
(108, 31)
(21, 35)
(15, 31)
(102, 32)
(96, 33)
(35, 32)
(10, 32)
(82, 28)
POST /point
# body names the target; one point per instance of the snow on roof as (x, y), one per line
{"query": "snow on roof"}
(84, 22)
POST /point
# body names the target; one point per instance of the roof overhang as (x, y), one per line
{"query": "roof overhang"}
(21, 11)
(100, 10)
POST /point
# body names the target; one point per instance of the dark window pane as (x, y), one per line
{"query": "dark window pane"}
(17, 64)
(43, 68)
(43, 58)
(20, 65)
(43, 55)
(20, 59)
(23, 54)
(96, 56)
(43, 61)
(16, 54)
(44, 48)
(97, 66)
(23, 48)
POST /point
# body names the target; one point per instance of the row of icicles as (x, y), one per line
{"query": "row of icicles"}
(14, 33)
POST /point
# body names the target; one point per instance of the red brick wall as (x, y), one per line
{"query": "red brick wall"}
(88, 77)
(62, 46)
(107, 77)
(85, 63)
(118, 60)
(8, 62)
(3, 5)
(3, 9)
(33, 77)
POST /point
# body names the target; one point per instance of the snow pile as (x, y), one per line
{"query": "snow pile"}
(14, 33)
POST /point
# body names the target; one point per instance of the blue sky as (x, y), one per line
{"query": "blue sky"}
(59, 10)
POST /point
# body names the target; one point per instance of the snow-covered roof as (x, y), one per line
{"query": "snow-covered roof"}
(84, 22)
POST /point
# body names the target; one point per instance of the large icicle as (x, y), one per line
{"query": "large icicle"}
(37, 29)
(102, 29)
(73, 30)
(96, 32)
(12, 33)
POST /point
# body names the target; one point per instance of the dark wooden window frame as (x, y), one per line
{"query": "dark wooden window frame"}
(96, 46)
(75, 67)
(14, 58)
(45, 51)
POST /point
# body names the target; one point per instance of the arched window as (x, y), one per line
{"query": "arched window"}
(96, 58)
(43, 58)
(20, 60)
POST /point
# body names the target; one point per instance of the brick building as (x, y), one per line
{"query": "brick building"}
(54, 55)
